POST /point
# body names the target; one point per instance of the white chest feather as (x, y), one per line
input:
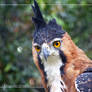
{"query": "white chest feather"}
(52, 69)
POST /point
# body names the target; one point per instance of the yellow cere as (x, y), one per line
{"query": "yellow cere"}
(56, 44)
(37, 48)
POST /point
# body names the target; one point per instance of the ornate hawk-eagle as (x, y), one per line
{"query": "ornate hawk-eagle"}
(63, 66)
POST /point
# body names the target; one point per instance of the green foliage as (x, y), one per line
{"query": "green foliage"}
(16, 29)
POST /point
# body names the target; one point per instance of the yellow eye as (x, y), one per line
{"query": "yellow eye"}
(37, 48)
(56, 44)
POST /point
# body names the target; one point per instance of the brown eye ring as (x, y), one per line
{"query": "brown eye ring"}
(37, 48)
(56, 44)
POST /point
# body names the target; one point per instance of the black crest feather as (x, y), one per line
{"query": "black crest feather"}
(45, 32)
(38, 18)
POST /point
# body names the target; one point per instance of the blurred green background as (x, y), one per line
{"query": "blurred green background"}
(16, 28)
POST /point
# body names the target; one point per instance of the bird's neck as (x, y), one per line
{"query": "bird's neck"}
(53, 73)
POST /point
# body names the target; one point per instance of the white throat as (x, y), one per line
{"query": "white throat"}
(52, 69)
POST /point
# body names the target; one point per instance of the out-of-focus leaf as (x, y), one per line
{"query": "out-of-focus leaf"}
(8, 67)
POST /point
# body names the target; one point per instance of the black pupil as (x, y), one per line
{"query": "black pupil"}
(56, 43)
(38, 47)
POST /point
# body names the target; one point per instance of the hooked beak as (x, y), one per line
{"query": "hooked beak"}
(46, 53)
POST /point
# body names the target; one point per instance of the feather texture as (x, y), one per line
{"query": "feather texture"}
(38, 18)
(84, 82)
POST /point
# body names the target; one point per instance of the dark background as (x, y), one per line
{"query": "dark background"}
(16, 28)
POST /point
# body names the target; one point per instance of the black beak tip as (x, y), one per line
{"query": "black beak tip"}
(46, 54)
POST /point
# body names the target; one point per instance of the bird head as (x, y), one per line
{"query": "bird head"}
(47, 38)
